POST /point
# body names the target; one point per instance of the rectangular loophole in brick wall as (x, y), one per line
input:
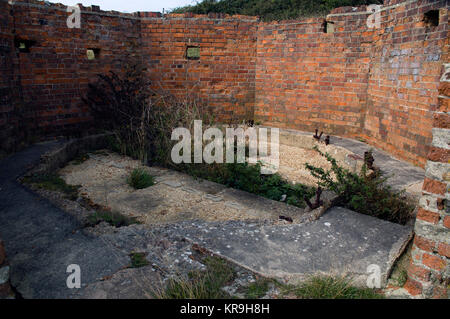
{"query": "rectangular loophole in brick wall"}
(431, 18)
(23, 45)
(193, 53)
(93, 53)
(328, 27)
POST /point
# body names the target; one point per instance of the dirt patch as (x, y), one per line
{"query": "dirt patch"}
(293, 160)
(174, 197)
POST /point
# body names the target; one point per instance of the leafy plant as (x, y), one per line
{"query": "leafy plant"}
(328, 287)
(141, 119)
(366, 194)
(138, 260)
(257, 289)
(119, 103)
(248, 177)
(53, 182)
(140, 179)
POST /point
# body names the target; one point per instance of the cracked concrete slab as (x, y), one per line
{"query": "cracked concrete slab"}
(340, 242)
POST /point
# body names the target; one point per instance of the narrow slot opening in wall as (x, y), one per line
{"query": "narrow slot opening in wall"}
(431, 18)
(93, 53)
(23, 45)
(328, 27)
(193, 53)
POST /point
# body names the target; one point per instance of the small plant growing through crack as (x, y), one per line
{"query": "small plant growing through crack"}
(206, 284)
(364, 194)
(318, 136)
(258, 288)
(138, 260)
(318, 202)
(53, 182)
(329, 287)
(113, 218)
(140, 179)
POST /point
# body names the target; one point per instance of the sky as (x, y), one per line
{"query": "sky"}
(131, 5)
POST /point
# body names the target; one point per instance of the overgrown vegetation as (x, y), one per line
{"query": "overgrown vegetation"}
(257, 289)
(141, 119)
(201, 284)
(53, 182)
(365, 193)
(113, 218)
(138, 260)
(140, 179)
(274, 9)
(142, 122)
(327, 287)
(248, 177)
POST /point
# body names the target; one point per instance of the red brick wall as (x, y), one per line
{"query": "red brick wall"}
(404, 78)
(224, 76)
(54, 74)
(429, 270)
(307, 79)
(377, 84)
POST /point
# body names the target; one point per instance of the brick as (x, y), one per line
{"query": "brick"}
(418, 272)
(446, 221)
(440, 292)
(428, 216)
(424, 244)
(444, 250)
(441, 120)
(433, 262)
(437, 154)
(413, 287)
(5, 291)
(433, 186)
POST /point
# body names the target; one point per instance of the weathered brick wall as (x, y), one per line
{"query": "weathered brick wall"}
(404, 77)
(307, 79)
(224, 76)
(54, 74)
(7, 121)
(378, 84)
(429, 272)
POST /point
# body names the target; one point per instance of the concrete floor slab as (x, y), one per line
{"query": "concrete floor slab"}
(340, 242)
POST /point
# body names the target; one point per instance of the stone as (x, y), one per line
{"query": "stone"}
(340, 242)
(171, 183)
(436, 170)
(213, 198)
(4, 275)
(233, 205)
(441, 138)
